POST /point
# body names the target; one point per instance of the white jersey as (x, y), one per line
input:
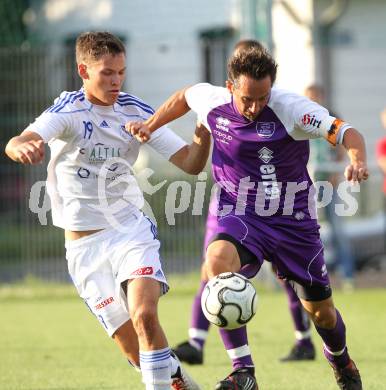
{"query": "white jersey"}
(89, 173)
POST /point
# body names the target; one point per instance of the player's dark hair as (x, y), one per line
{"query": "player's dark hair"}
(253, 61)
(245, 45)
(91, 46)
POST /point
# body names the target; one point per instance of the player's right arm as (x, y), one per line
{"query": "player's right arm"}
(26, 148)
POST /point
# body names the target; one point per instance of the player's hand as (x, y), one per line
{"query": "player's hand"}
(139, 130)
(30, 152)
(356, 172)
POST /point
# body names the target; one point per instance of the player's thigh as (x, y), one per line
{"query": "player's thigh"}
(93, 278)
(103, 297)
(136, 256)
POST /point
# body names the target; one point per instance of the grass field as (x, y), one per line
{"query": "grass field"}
(50, 341)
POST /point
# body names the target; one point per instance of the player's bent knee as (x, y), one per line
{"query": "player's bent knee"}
(145, 320)
(219, 259)
(216, 265)
(324, 318)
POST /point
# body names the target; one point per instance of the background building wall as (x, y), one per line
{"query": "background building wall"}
(293, 46)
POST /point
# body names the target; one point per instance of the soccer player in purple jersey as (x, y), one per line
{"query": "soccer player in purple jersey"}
(266, 207)
(191, 351)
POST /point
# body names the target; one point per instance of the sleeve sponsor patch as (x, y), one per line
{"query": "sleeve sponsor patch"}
(311, 120)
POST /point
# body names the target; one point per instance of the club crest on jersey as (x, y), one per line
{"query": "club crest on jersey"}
(125, 133)
(265, 155)
(222, 123)
(265, 129)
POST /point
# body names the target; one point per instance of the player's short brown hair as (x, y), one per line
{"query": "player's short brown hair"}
(91, 46)
(251, 59)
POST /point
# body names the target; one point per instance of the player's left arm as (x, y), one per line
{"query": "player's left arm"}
(354, 143)
(192, 158)
(316, 121)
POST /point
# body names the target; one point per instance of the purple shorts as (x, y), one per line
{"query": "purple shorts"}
(294, 247)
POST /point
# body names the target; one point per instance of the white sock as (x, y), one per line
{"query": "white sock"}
(174, 365)
(156, 369)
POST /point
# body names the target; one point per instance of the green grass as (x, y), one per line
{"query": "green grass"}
(49, 341)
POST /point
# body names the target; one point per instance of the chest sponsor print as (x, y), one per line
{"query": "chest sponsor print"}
(265, 155)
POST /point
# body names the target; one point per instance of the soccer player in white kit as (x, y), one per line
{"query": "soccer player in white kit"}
(111, 246)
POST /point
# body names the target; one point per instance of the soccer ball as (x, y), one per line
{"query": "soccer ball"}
(229, 300)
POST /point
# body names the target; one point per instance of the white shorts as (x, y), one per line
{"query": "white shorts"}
(99, 263)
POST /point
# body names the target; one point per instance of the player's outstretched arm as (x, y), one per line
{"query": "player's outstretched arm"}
(355, 146)
(26, 148)
(192, 158)
(170, 110)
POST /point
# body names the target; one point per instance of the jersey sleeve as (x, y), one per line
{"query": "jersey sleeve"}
(203, 97)
(305, 119)
(166, 142)
(315, 120)
(51, 125)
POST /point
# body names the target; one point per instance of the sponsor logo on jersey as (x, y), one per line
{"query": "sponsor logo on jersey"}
(101, 152)
(222, 137)
(222, 129)
(265, 129)
(265, 155)
(104, 124)
(309, 119)
(83, 173)
(143, 271)
(222, 123)
(104, 303)
(159, 274)
(268, 174)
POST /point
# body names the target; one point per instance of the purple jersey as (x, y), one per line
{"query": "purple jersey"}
(260, 165)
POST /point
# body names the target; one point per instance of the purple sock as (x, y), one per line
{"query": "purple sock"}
(236, 344)
(299, 317)
(334, 340)
(199, 325)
